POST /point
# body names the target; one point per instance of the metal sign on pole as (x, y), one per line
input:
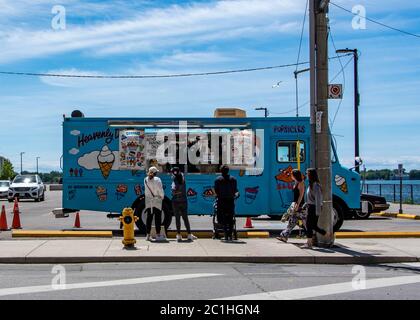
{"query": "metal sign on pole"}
(335, 91)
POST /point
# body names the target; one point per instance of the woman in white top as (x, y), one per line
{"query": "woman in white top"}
(154, 195)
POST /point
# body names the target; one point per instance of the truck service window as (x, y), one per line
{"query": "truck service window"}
(286, 151)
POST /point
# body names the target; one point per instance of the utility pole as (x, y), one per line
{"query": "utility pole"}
(37, 158)
(21, 162)
(312, 90)
(320, 113)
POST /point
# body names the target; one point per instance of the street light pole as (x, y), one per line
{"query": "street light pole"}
(21, 162)
(37, 165)
(265, 111)
(356, 104)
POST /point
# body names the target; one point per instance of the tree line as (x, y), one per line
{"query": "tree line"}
(7, 172)
(387, 174)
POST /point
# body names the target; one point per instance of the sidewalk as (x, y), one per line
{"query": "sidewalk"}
(346, 251)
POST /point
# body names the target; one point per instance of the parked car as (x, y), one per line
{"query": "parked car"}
(4, 188)
(27, 187)
(375, 204)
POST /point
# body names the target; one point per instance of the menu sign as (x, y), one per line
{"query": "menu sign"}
(132, 150)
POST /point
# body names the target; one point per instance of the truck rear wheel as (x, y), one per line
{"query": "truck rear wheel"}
(139, 208)
(360, 215)
(338, 212)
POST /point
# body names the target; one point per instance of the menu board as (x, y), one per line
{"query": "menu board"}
(131, 151)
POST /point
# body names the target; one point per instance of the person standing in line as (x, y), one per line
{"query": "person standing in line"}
(314, 202)
(180, 204)
(296, 206)
(154, 195)
(226, 190)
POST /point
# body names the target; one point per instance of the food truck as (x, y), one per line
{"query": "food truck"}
(105, 161)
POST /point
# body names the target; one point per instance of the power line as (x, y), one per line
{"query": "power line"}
(377, 22)
(332, 79)
(179, 75)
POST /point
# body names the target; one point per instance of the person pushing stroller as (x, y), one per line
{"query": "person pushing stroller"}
(226, 189)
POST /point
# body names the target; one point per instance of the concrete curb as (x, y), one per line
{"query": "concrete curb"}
(397, 215)
(60, 234)
(110, 234)
(377, 234)
(223, 259)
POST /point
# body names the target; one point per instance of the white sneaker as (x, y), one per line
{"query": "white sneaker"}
(178, 238)
(160, 238)
(148, 238)
(191, 237)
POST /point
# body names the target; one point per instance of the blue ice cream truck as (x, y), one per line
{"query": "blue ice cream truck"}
(105, 162)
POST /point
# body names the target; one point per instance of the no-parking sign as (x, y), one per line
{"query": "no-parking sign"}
(335, 91)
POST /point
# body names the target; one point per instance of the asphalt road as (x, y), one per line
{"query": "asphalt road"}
(38, 215)
(190, 281)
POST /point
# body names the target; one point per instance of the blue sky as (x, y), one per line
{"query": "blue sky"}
(160, 37)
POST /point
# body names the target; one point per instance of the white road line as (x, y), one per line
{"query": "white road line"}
(325, 290)
(123, 282)
(412, 264)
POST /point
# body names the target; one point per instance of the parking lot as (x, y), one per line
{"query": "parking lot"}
(38, 215)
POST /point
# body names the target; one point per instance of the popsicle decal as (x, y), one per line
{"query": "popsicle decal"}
(251, 194)
(101, 193)
(192, 195)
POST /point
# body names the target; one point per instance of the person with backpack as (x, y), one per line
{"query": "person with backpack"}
(180, 203)
(226, 190)
(154, 195)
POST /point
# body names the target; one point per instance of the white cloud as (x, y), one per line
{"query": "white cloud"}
(70, 82)
(74, 151)
(75, 132)
(154, 28)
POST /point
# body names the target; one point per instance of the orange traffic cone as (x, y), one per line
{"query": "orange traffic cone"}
(3, 220)
(16, 218)
(248, 223)
(77, 221)
(16, 206)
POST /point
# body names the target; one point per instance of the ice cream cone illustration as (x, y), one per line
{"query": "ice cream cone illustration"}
(106, 159)
(341, 183)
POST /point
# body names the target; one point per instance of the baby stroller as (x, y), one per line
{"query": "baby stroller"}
(218, 227)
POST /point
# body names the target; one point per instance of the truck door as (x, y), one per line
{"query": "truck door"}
(283, 160)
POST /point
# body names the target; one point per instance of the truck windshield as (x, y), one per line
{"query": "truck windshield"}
(4, 183)
(25, 179)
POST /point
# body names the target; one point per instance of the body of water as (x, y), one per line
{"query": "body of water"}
(390, 189)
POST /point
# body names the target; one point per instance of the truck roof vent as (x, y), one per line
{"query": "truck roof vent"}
(229, 113)
(77, 114)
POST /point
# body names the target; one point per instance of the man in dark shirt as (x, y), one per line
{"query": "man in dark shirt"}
(226, 190)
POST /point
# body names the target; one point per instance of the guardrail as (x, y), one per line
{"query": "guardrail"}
(56, 187)
(391, 191)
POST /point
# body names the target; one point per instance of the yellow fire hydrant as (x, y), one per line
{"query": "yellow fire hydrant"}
(128, 219)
